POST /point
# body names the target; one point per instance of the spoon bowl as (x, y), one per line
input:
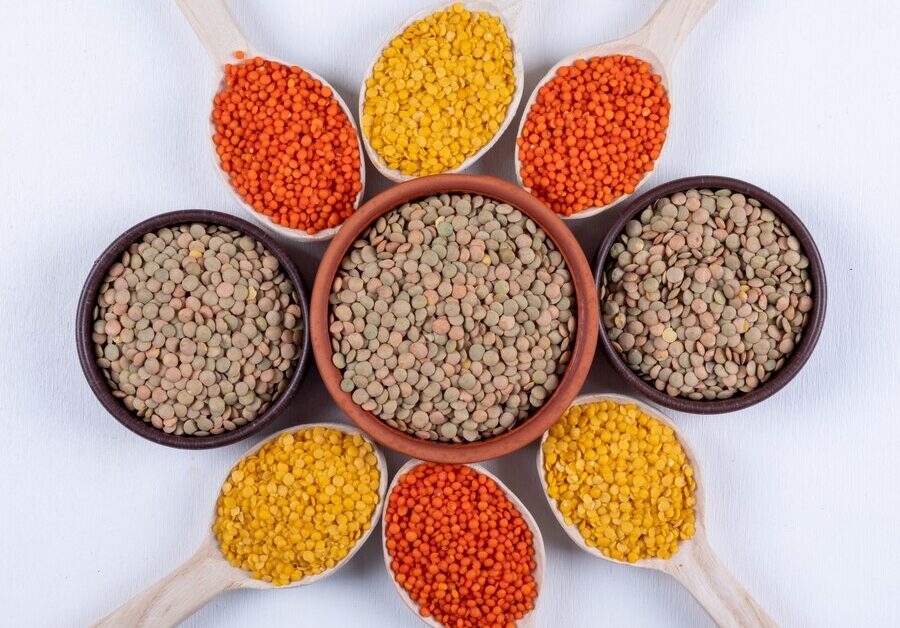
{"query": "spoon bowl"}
(694, 565)
(656, 42)
(220, 35)
(537, 540)
(208, 573)
(508, 12)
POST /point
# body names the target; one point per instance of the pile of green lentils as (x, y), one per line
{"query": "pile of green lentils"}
(452, 318)
(706, 294)
(197, 329)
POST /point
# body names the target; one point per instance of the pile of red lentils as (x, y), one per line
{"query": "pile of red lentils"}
(593, 132)
(460, 548)
(286, 144)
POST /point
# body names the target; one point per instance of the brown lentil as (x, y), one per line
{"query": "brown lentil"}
(705, 294)
(175, 346)
(452, 318)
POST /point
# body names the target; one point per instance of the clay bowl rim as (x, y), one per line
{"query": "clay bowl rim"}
(814, 324)
(587, 321)
(85, 345)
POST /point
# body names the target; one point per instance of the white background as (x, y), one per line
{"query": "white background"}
(103, 109)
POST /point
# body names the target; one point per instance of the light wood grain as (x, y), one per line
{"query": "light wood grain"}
(216, 29)
(174, 598)
(208, 573)
(530, 620)
(700, 571)
(695, 565)
(508, 11)
(656, 42)
(221, 36)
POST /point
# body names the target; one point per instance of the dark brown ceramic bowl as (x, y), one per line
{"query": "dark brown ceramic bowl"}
(585, 333)
(813, 328)
(94, 373)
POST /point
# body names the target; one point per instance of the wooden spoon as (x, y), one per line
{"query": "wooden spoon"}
(529, 620)
(208, 573)
(695, 565)
(656, 42)
(508, 12)
(220, 35)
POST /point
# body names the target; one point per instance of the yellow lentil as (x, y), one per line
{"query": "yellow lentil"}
(440, 91)
(299, 505)
(622, 478)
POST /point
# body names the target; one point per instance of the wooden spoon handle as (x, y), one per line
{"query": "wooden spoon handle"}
(725, 599)
(177, 596)
(215, 28)
(670, 25)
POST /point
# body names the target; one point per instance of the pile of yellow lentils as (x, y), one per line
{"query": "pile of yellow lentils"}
(299, 505)
(440, 91)
(622, 478)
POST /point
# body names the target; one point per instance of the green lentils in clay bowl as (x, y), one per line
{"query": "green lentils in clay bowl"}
(452, 318)
(197, 329)
(705, 295)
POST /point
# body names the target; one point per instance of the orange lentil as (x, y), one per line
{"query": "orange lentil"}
(593, 132)
(460, 548)
(286, 144)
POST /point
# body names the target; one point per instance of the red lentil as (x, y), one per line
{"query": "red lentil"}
(593, 132)
(288, 147)
(460, 548)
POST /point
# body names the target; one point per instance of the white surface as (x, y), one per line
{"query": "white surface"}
(103, 111)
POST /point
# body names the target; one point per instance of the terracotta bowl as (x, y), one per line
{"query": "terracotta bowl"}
(585, 332)
(814, 323)
(94, 374)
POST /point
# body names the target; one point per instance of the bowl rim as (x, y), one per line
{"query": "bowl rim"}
(84, 322)
(587, 321)
(814, 324)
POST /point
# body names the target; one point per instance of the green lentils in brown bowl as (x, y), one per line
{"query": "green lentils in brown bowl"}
(712, 294)
(192, 329)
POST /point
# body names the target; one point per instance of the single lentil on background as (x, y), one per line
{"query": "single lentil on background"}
(594, 131)
(622, 478)
(706, 294)
(197, 329)
(440, 91)
(452, 318)
(460, 548)
(287, 145)
(299, 505)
